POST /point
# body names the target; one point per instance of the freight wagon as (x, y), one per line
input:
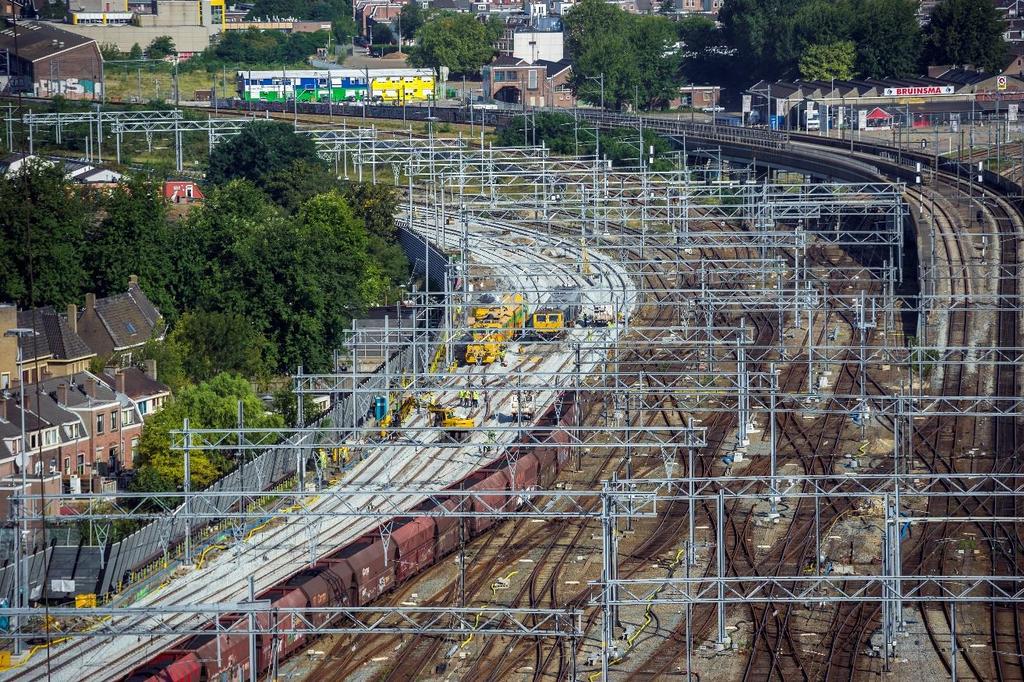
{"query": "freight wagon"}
(358, 574)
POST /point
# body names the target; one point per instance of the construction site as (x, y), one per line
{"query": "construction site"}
(755, 418)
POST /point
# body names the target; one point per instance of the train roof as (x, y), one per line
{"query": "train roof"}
(314, 73)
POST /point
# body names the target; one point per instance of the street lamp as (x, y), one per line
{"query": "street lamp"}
(20, 533)
(600, 79)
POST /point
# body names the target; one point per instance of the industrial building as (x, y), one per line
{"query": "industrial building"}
(43, 60)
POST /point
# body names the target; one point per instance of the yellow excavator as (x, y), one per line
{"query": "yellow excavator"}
(456, 427)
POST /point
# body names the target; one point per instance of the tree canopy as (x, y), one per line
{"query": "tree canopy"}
(832, 60)
(212, 404)
(773, 39)
(262, 149)
(963, 32)
(633, 55)
(453, 40)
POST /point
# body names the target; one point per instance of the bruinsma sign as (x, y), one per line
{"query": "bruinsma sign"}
(917, 91)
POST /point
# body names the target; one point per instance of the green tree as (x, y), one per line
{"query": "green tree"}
(454, 40)
(376, 204)
(667, 7)
(160, 47)
(412, 18)
(132, 238)
(201, 337)
(703, 58)
(634, 55)
(963, 32)
(135, 52)
(212, 404)
(109, 51)
(381, 34)
(823, 62)
(170, 362)
(43, 223)
(888, 38)
(292, 186)
(760, 35)
(260, 150)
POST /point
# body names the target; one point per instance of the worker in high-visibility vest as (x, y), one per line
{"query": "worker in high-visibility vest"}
(476, 398)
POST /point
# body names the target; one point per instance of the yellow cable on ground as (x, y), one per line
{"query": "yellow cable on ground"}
(477, 621)
(647, 621)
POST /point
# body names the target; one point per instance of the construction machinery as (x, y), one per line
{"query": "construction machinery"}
(455, 427)
(558, 313)
(494, 324)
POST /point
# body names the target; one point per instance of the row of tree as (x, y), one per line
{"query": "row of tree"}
(281, 250)
(641, 60)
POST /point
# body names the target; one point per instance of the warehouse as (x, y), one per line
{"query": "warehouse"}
(44, 61)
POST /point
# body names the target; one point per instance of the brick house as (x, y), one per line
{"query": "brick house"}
(182, 191)
(111, 422)
(55, 350)
(115, 326)
(51, 433)
(538, 84)
(142, 387)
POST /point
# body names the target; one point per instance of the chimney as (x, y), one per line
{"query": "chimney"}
(133, 280)
(90, 302)
(62, 393)
(119, 381)
(90, 387)
(73, 317)
(151, 369)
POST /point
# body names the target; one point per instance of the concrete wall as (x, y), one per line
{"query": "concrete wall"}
(548, 45)
(186, 38)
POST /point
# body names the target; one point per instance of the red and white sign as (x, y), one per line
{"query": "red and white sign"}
(918, 91)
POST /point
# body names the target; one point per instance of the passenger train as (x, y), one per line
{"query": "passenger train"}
(388, 86)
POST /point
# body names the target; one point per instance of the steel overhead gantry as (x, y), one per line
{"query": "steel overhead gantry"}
(206, 619)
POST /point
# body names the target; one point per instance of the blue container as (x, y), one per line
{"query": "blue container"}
(777, 122)
(380, 407)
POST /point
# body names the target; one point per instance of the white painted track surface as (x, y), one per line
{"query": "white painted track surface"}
(271, 556)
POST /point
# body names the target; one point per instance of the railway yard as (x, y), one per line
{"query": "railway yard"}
(756, 418)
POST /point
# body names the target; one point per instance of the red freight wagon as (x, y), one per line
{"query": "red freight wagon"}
(484, 481)
(446, 531)
(547, 466)
(368, 576)
(287, 597)
(524, 473)
(234, 655)
(321, 588)
(414, 544)
(171, 666)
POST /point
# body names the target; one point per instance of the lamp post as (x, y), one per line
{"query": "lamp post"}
(21, 532)
(600, 79)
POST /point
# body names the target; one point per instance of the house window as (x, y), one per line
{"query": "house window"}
(532, 80)
(67, 466)
(113, 420)
(143, 406)
(33, 441)
(81, 464)
(99, 423)
(127, 418)
(130, 326)
(5, 381)
(134, 450)
(499, 76)
(50, 437)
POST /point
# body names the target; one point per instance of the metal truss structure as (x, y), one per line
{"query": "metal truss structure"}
(755, 307)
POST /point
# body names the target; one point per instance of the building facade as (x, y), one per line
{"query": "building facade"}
(44, 61)
(539, 84)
